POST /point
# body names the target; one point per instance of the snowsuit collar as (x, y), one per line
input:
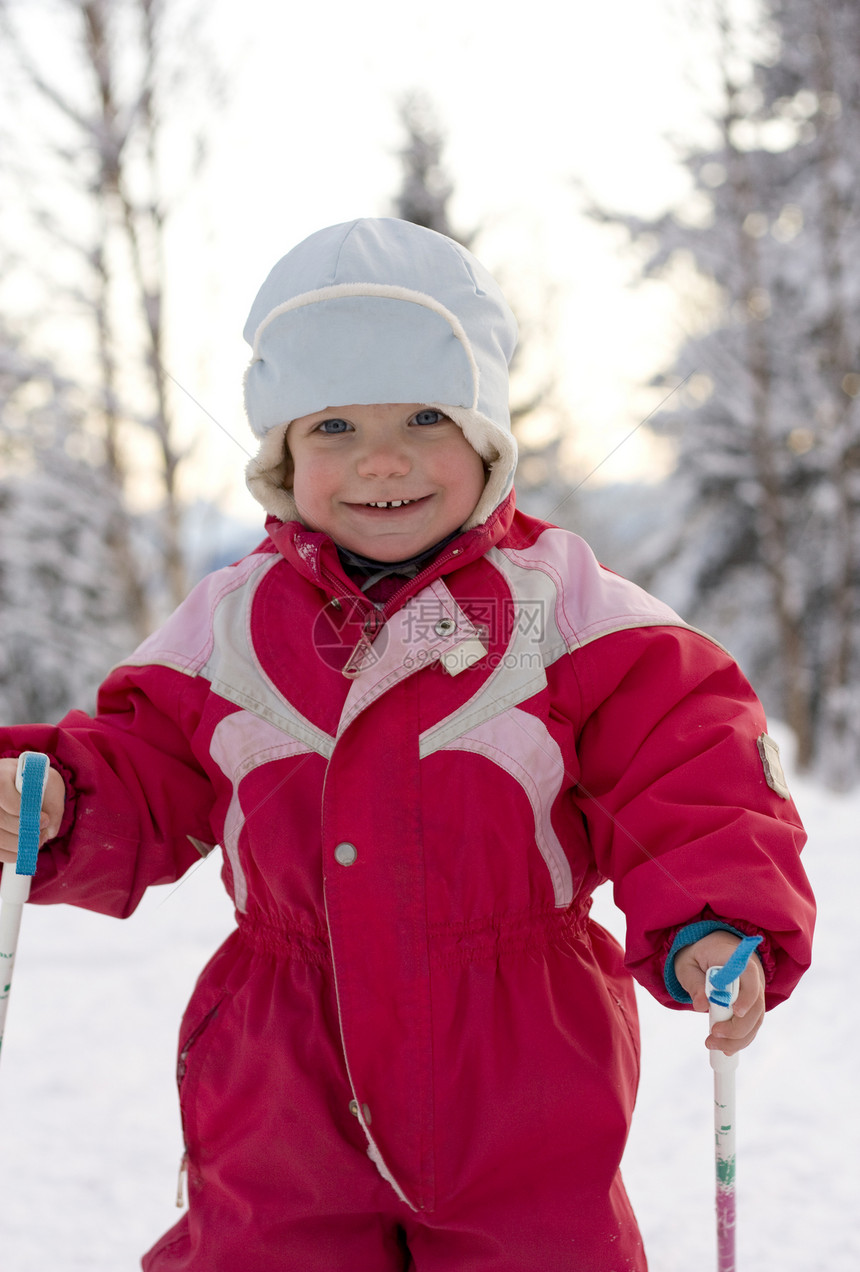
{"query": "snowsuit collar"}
(314, 555)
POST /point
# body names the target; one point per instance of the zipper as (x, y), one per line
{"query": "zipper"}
(336, 585)
(182, 1065)
(391, 604)
(376, 616)
(181, 1181)
(371, 623)
(355, 663)
(181, 1071)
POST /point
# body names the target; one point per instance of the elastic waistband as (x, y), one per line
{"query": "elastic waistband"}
(284, 940)
(499, 936)
(450, 944)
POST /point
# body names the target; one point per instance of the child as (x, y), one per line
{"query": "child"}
(423, 727)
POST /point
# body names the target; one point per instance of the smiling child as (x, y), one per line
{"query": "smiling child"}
(423, 727)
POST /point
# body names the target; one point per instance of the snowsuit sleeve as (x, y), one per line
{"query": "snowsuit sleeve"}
(137, 797)
(679, 812)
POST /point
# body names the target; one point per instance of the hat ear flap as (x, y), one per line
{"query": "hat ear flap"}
(269, 475)
(498, 450)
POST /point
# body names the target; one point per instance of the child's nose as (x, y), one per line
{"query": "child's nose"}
(384, 459)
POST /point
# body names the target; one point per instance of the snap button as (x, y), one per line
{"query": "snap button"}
(345, 854)
(353, 1108)
(445, 627)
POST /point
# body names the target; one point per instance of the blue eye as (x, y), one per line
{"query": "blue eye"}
(428, 417)
(332, 427)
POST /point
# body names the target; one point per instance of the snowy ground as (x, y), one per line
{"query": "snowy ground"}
(90, 1138)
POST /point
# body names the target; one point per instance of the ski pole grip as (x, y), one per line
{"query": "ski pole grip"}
(31, 778)
(720, 1008)
(722, 985)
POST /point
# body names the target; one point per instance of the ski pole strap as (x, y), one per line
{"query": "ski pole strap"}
(31, 779)
(720, 978)
(688, 936)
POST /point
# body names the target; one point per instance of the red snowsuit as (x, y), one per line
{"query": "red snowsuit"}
(416, 1044)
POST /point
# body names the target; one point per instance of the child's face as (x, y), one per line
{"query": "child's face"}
(348, 458)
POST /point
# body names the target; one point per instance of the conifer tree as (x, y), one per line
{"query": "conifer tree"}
(766, 550)
(425, 186)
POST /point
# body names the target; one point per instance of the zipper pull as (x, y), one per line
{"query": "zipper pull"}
(363, 655)
(360, 657)
(180, 1184)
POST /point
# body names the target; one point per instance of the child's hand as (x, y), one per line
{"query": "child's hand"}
(691, 965)
(10, 803)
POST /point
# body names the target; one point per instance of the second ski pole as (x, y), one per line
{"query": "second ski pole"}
(722, 984)
(31, 779)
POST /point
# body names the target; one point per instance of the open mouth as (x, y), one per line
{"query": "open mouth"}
(389, 505)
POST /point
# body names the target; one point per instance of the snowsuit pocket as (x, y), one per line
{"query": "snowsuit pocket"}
(189, 1068)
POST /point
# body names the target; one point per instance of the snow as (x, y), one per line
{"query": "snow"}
(90, 1132)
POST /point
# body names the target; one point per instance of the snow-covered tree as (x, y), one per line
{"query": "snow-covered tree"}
(64, 619)
(766, 548)
(91, 184)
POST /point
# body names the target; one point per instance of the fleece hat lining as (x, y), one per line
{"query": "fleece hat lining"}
(269, 474)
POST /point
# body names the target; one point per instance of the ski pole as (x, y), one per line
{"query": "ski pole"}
(30, 779)
(722, 984)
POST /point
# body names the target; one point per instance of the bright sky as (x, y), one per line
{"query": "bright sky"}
(530, 102)
(532, 97)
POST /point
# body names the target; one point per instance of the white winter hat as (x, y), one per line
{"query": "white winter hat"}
(379, 310)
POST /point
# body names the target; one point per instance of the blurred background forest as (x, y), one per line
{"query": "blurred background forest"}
(687, 393)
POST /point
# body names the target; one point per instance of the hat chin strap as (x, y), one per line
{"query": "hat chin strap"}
(269, 472)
